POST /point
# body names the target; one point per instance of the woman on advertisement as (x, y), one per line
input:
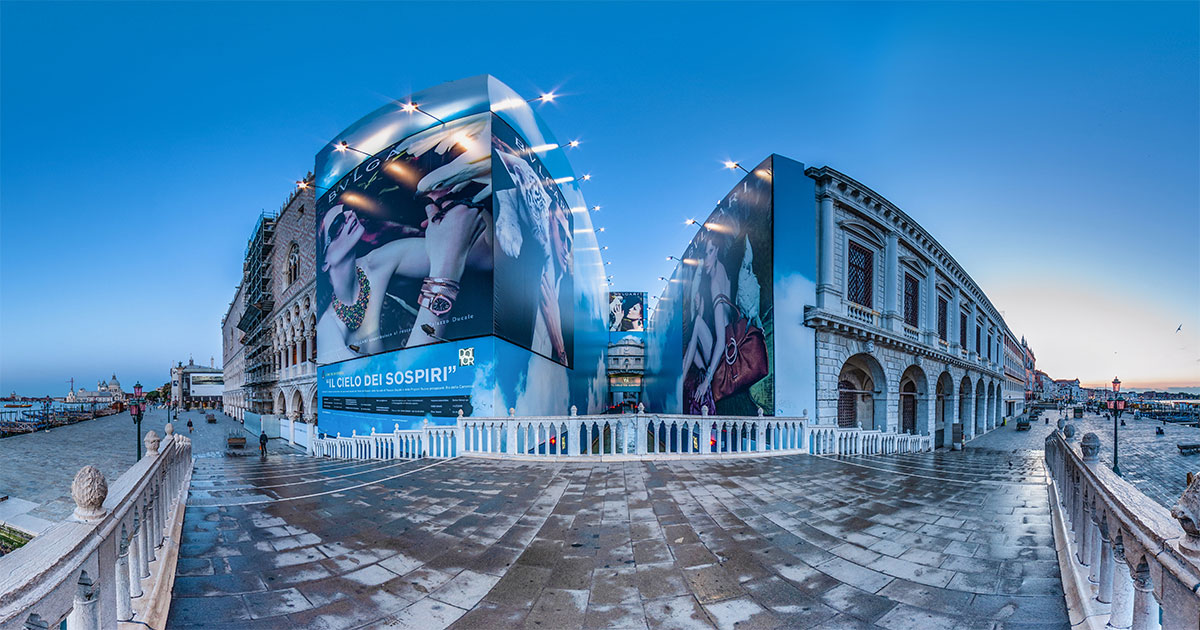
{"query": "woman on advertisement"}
(710, 304)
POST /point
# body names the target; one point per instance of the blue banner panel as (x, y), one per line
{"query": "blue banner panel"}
(427, 383)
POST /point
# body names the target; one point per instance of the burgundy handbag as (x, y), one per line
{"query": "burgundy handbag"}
(744, 362)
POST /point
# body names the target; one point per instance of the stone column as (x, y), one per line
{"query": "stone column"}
(1145, 609)
(1094, 545)
(972, 322)
(1121, 616)
(135, 558)
(121, 577)
(1105, 594)
(890, 279)
(826, 289)
(1083, 528)
(955, 314)
(85, 613)
(931, 318)
(144, 540)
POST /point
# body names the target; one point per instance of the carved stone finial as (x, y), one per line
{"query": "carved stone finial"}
(1061, 423)
(169, 430)
(372, 430)
(512, 411)
(1091, 448)
(89, 490)
(1069, 432)
(641, 407)
(460, 412)
(151, 443)
(760, 411)
(704, 410)
(1187, 511)
(574, 411)
(353, 432)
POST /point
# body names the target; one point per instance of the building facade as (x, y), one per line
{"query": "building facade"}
(906, 341)
(182, 395)
(233, 357)
(293, 323)
(626, 369)
(105, 393)
(269, 333)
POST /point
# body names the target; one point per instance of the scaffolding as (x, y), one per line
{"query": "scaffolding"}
(255, 323)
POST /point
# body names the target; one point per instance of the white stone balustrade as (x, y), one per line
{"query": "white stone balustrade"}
(619, 437)
(114, 559)
(1132, 562)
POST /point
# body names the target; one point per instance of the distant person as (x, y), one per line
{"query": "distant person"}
(262, 443)
(190, 427)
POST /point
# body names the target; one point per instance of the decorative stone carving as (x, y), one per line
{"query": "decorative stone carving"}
(641, 408)
(760, 411)
(1069, 432)
(1061, 423)
(89, 490)
(704, 410)
(151, 442)
(574, 411)
(1091, 448)
(170, 431)
(869, 346)
(1187, 511)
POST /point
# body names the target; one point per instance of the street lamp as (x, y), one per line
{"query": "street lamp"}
(1117, 406)
(137, 407)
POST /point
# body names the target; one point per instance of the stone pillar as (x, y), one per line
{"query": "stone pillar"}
(1094, 545)
(1121, 616)
(972, 322)
(146, 526)
(1105, 594)
(890, 279)
(1083, 528)
(639, 434)
(954, 316)
(135, 558)
(826, 289)
(949, 413)
(931, 318)
(1145, 609)
(121, 578)
(85, 612)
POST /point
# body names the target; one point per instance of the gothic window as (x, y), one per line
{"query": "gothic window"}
(860, 275)
(941, 318)
(293, 264)
(912, 293)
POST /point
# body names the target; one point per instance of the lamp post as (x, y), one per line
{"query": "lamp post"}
(137, 407)
(1117, 406)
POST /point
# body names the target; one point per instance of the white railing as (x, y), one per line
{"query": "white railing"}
(862, 314)
(825, 440)
(619, 437)
(114, 559)
(428, 441)
(1126, 560)
(912, 333)
(296, 432)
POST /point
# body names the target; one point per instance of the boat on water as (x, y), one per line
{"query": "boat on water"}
(22, 405)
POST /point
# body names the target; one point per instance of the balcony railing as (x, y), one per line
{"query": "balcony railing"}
(1133, 561)
(619, 437)
(862, 314)
(114, 559)
(912, 333)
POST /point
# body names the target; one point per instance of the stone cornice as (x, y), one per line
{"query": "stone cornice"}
(824, 320)
(851, 193)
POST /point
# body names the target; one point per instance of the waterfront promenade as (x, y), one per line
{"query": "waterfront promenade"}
(926, 540)
(37, 468)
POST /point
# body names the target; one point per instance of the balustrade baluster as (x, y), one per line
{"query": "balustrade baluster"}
(1121, 615)
(143, 540)
(121, 575)
(1104, 595)
(1094, 545)
(135, 557)
(85, 613)
(1145, 609)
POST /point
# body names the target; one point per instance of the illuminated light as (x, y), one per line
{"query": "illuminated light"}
(595, 208)
(573, 144)
(663, 278)
(605, 247)
(301, 185)
(409, 107)
(600, 230)
(712, 441)
(341, 146)
(542, 148)
(608, 262)
(552, 439)
(730, 165)
(564, 180)
(587, 178)
(690, 222)
(717, 227)
(548, 97)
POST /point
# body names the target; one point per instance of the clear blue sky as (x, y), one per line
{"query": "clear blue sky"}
(1052, 148)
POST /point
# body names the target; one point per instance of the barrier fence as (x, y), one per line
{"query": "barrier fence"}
(1129, 561)
(114, 559)
(617, 437)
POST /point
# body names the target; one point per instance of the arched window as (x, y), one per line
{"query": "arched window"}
(293, 264)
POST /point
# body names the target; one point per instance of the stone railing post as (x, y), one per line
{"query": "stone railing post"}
(1094, 543)
(85, 614)
(1121, 615)
(640, 433)
(135, 557)
(1145, 615)
(511, 445)
(1104, 595)
(1083, 528)
(147, 533)
(121, 577)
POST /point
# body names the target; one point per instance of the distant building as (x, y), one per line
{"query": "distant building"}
(626, 369)
(234, 399)
(105, 393)
(188, 391)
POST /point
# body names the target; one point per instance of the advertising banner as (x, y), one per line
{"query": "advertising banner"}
(206, 384)
(432, 382)
(404, 245)
(534, 234)
(626, 310)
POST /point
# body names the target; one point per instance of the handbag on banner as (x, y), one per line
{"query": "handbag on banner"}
(744, 360)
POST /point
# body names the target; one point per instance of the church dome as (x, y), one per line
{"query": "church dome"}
(113, 382)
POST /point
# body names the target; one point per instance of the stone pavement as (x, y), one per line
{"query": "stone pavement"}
(1150, 462)
(37, 468)
(920, 541)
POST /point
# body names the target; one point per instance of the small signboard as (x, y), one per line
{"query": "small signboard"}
(957, 433)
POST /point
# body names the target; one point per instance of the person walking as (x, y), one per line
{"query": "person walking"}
(262, 443)
(190, 427)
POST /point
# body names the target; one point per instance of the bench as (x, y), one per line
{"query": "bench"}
(1022, 425)
(211, 419)
(235, 441)
(1188, 449)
